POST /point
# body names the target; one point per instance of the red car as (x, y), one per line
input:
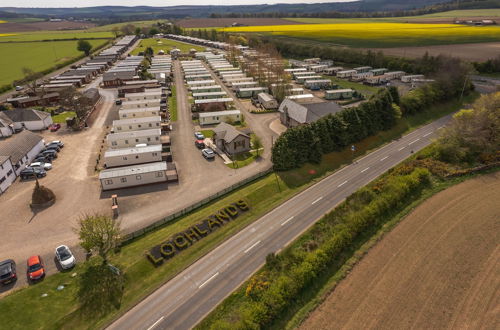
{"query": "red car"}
(54, 127)
(36, 270)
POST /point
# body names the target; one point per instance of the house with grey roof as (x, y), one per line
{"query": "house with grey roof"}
(231, 141)
(6, 125)
(33, 120)
(21, 149)
(294, 114)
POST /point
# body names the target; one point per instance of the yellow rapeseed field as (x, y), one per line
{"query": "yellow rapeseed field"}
(380, 34)
(2, 21)
(6, 34)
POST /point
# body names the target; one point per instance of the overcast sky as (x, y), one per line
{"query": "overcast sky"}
(91, 3)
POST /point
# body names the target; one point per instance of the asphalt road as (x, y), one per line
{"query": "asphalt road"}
(185, 300)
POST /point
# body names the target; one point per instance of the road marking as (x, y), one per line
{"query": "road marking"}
(317, 200)
(384, 158)
(366, 169)
(343, 183)
(413, 142)
(211, 278)
(255, 244)
(440, 127)
(428, 134)
(401, 148)
(154, 324)
(283, 223)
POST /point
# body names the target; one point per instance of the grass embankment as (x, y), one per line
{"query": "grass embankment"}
(60, 308)
(61, 118)
(379, 35)
(164, 44)
(172, 104)
(208, 133)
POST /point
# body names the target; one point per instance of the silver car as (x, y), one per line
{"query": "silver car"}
(66, 259)
(45, 166)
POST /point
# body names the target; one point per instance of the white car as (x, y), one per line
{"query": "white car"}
(65, 257)
(45, 166)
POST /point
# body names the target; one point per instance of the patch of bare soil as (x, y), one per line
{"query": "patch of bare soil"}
(438, 269)
(225, 22)
(44, 26)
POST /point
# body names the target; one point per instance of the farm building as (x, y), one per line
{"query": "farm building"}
(300, 98)
(212, 104)
(346, 73)
(136, 124)
(209, 95)
(133, 138)
(250, 92)
(267, 101)
(132, 156)
(339, 94)
(295, 114)
(30, 119)
(131, 176)
(136, 113)
(210, 118)
(231, 141)
(21, 149)
(318, 84)
(141, 104)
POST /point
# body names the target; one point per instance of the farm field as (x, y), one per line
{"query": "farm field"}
(379, 35)
(164, 44)
(438, 269)
(27, 26)
(109, 27)
(54, 35)
(35, 55)
(222, 22)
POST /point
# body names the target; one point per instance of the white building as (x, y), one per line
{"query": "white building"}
(133, 156)
(149, 94)
(136, 124)
(21, 149)
(346, 73)
(33, 120)
(135, 113)
(135, 175)
(209, 118)
(141, 104)
(6, 125)
(7, 175)
(133, 138)
(267, 101)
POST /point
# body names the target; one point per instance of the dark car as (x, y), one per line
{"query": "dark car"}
(118, 102)
(51, 153)
(31, 172)
(59, 143)
(8, 271)
(199, 144)
(42, 159)
(208, 153)
(52, 147)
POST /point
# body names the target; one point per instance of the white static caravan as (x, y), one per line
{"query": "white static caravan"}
(132, 156)
(305, 98)
(141, 104)
(149, 94)
(209, 95)
(203, 76)
(303, 79)
(224, 74)
(250, 91)
(195, 72)
(295, 70)
(133, 138)
(394, 74)
(296, 75)
(318, 68)
(137, 113)
(318, 84)
(210, 118)
(206, 89)
(200, 83)
(296, 91)
(267, 101)
(244, 84)
(410, 78)
(227, 69)
(362, 69)
(338, 94)
(136, 124)
(361, 76)
(332, 71)
(131, 176)
(376, 80)
(346, 73)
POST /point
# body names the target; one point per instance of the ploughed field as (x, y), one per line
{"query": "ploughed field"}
(379, 34)
(8, 27)
(438, 269)
(222, 22)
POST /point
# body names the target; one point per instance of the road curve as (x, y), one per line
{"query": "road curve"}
(183, 301)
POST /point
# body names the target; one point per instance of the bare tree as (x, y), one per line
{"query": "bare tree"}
(31, 79)
(99, 233)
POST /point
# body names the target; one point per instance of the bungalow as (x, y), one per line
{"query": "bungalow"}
(33, 120)
(231, 141)
(209, 118)
(294, 114)
(136, 113)
(21, 149)
(132, 156)
(131, 176)
(133, 138)
(136, 124)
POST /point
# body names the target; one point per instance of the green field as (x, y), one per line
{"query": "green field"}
(37, 56)
(464, 13)
(54, 35)
(164, 44)
(109, 27)
(378, 34)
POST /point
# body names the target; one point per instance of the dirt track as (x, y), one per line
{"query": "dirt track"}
(222, 22)
(438, 269)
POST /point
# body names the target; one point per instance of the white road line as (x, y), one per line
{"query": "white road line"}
(154, 324)
(440, 127)
(413, 142)
(384, 158)
(428, 134)
(366, 169)
(401, 148)
(343, 183)
(254, 245)
(317, 200)
(283, 223)
(211, 278)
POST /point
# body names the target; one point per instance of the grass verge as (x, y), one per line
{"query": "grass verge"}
(61, 118)
(172, 104)
(243, 159)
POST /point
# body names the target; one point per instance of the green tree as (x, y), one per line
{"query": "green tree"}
(99, 233)
(84, 46)
(256, 143)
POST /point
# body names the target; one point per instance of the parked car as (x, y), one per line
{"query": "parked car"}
(19, 88)
(199, 136)
(54, 127)
(8, 271)
(50, 153)
(66, 259)
(36, 270)
(199, 144)
(208, 153)
(44, 166)
(31, 172)
(56, 142)
(52, 147)
(42, 159)
(118, 102)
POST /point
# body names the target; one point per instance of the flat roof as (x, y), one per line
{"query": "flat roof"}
(152, 91)
(158, 100)
(224, 99)
(132, 151)
(132, 170)
(146, 109)
(123, 135)
(136, 120)
(318, 81)
(340, 90)
(300, 96)
(199, 82)
(253, 89)
(219, 113)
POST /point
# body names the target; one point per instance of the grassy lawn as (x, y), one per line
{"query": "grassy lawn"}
(363, 89)
(61, 118)
(172, 104)
(164, 44)
(60, 308)
(244, 159)
(38, 56)
(208, 133)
